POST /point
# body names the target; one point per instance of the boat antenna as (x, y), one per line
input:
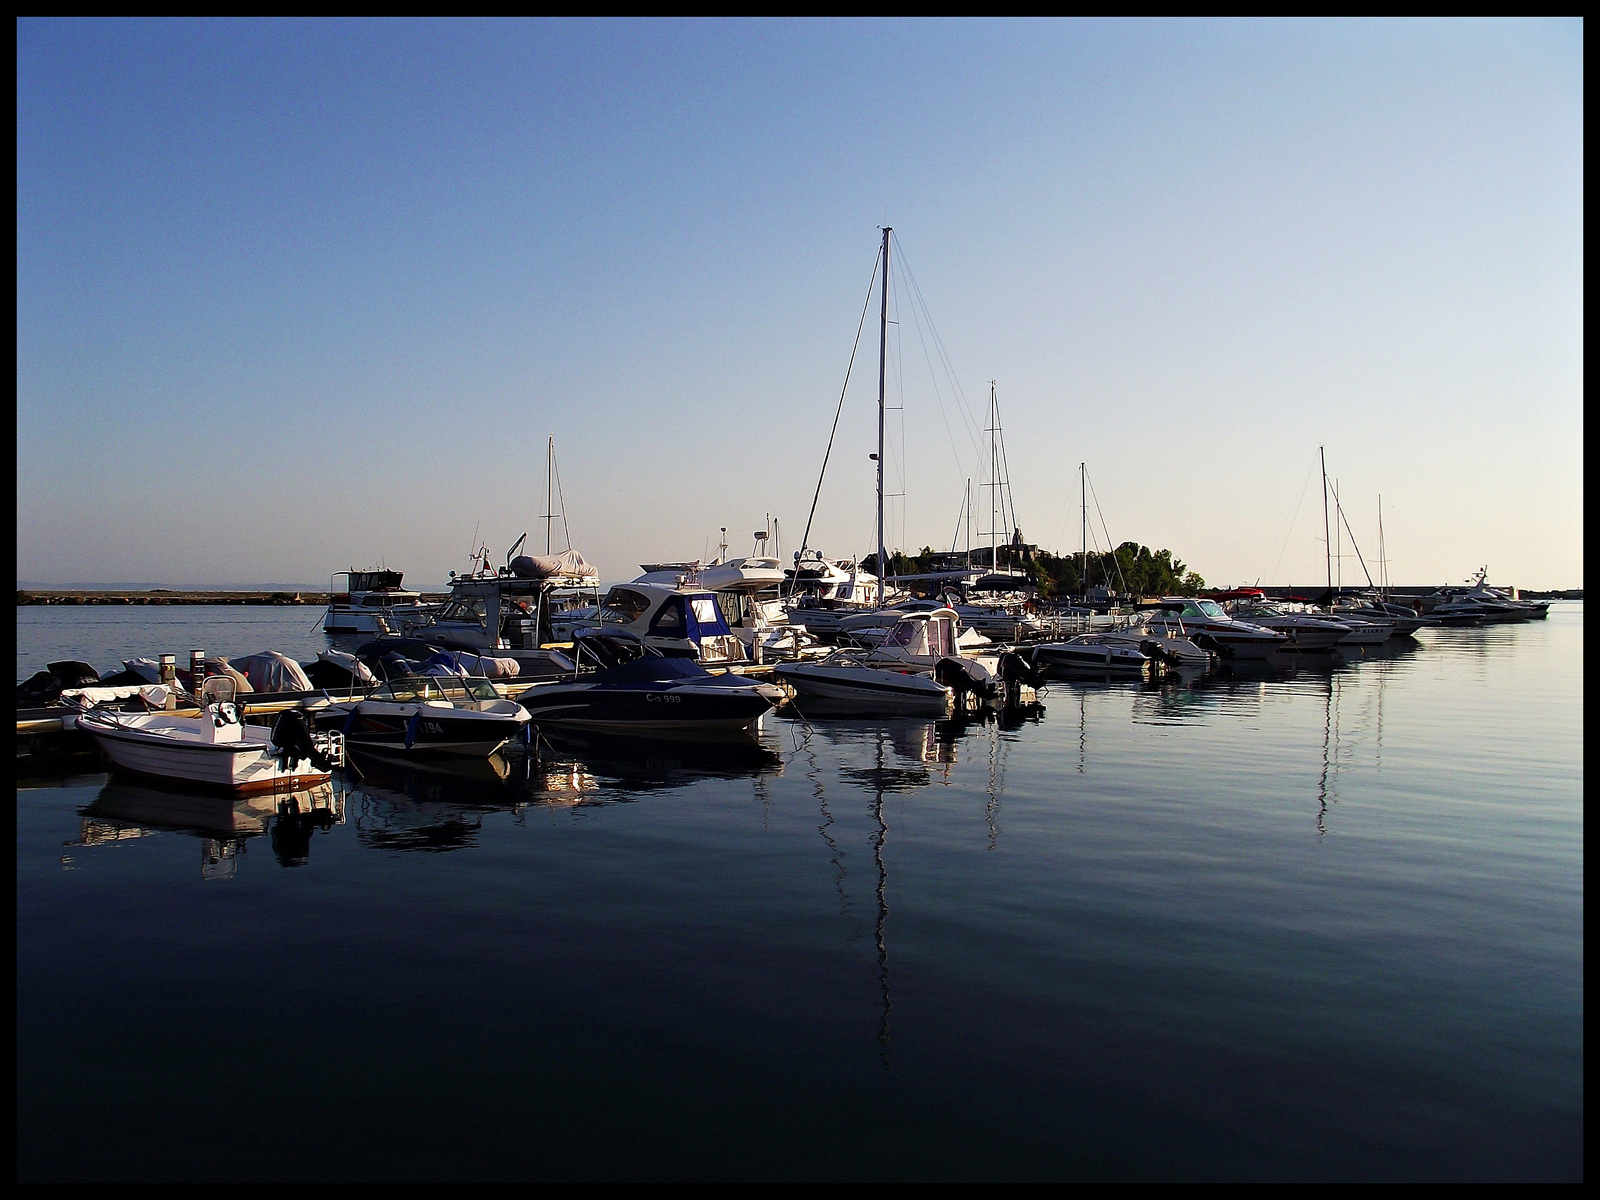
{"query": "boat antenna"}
(805, 538)
(883, 351)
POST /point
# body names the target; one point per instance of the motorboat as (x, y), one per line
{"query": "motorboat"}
(373, 601)
(1481, 604)
(509, 612)
(822, 593)
(1306, 633)
(214, 747)
(684, 622)
(851, 676)
(1206, 624)
(634, 688)
(1372, 607)
(1091, 651)
(427, 715)
(1160, 642)
(920, 650)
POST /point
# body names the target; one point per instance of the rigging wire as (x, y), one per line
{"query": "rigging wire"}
(963, 408)
(1121, 580)
(1271, 579)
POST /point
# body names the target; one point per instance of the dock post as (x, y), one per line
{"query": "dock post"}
(169, 677)
(197, 669)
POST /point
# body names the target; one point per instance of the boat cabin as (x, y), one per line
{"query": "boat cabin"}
(922, 638)
(677, 622)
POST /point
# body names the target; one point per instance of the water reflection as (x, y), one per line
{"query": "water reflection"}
(124, 811)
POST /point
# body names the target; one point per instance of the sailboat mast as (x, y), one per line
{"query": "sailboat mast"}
(883, 362)
(549, 499)
(1327, 539)
(994, 485)
(1083, 494)
(1383, 561)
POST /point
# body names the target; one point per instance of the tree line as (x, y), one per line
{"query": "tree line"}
(1130, 568)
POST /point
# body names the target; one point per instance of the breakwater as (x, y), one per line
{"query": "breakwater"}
(164, 596)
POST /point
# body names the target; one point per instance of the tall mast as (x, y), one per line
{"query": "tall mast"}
(1083, 492)
(1383, 562)
(883, 358)
(994, 482)
(1327, 538)
(549, 500)
(969, 524)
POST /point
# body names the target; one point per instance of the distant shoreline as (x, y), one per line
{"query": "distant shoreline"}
(27, 597)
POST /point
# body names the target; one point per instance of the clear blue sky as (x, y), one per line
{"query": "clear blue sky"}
(297, 295)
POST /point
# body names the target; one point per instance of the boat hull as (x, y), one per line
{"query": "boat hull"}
(655, 711)
(242, 767)
(875, 688)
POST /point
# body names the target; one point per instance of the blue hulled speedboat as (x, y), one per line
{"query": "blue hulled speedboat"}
(634, 690)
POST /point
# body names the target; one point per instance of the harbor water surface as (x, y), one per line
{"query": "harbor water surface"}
(1323, 923)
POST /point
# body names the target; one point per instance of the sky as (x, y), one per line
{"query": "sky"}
(296, 296)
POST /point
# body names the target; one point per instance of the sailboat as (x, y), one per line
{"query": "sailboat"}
(919, 664)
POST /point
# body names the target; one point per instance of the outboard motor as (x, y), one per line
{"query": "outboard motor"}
(965, 679)
(292, 743)
(1014, 668)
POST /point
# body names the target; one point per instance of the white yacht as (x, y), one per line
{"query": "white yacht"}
(373, 602)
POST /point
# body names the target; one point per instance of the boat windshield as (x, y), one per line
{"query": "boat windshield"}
(453, 689)
(1210, 608)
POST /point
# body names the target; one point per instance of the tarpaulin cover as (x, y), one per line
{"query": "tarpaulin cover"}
(270, 671)
(218, 665)
(487, 665)
(567, 564)
(346, 661)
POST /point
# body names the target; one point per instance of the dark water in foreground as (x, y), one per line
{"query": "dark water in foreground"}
(1323, 925)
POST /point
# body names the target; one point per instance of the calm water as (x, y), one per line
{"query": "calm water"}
(1322, 925)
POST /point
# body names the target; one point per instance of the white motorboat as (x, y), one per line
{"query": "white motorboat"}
(919, 661)
(847, 676)
(451, 715)
(214, 747)
(1206, 624)
(1093, 652)
(373, 602)
(1306, 633)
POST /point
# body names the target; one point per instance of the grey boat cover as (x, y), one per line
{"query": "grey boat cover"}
(569, 564)
(270, 671)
